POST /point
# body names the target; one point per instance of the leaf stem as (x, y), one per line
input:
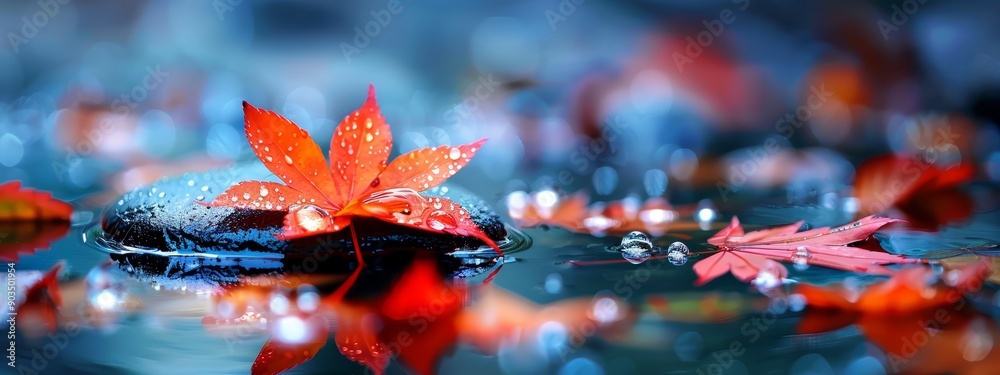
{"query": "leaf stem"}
(357, 246)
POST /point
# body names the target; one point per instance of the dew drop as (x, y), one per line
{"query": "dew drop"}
(288, 159)
(636, 256)
(246, 195)
(369, 137)
(636, 240)
(800, 258)
(311, 218)
(677, 253)
(440, 220)
(454, 153)
(375, 182)
(269, 159)
(263, 191)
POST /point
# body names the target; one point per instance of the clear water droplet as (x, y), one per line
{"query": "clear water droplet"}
(636, 240)
(800, 258)
(288, 159)
(454, 153)
(440, 220)
(679, 247)
(677, 258)
(311, 218)
(636, 255)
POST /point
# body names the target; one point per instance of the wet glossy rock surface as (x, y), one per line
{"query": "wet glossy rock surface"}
(166, 217)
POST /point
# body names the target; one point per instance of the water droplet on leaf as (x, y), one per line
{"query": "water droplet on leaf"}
(801, 258)
(311, 218)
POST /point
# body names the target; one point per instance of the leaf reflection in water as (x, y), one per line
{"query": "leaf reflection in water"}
(416, 319)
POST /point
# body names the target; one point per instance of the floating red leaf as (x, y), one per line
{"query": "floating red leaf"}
(321, 198)
(24, 204)
(909, 290)
(743, 254)
(925, 193)
(29, 220)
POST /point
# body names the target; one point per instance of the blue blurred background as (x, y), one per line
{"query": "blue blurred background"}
(617, 97)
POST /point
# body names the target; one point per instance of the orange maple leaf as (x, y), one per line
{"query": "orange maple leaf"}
(358, 181)
(18, 204)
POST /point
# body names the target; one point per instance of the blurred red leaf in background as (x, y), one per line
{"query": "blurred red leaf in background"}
(927, 195)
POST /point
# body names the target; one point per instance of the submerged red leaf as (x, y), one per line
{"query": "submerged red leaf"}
(743, 254)
(321, 198)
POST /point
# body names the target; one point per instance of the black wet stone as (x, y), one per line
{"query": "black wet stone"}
(166, 217)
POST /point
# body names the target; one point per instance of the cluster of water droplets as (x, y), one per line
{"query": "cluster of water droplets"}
(636, 247)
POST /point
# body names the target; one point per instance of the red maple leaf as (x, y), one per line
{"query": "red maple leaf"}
(44, 299)
(744, 254)
(29, 220)
(358, 182)
(909, 290)
(24, 204)
(890, 313)
(927, 195)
